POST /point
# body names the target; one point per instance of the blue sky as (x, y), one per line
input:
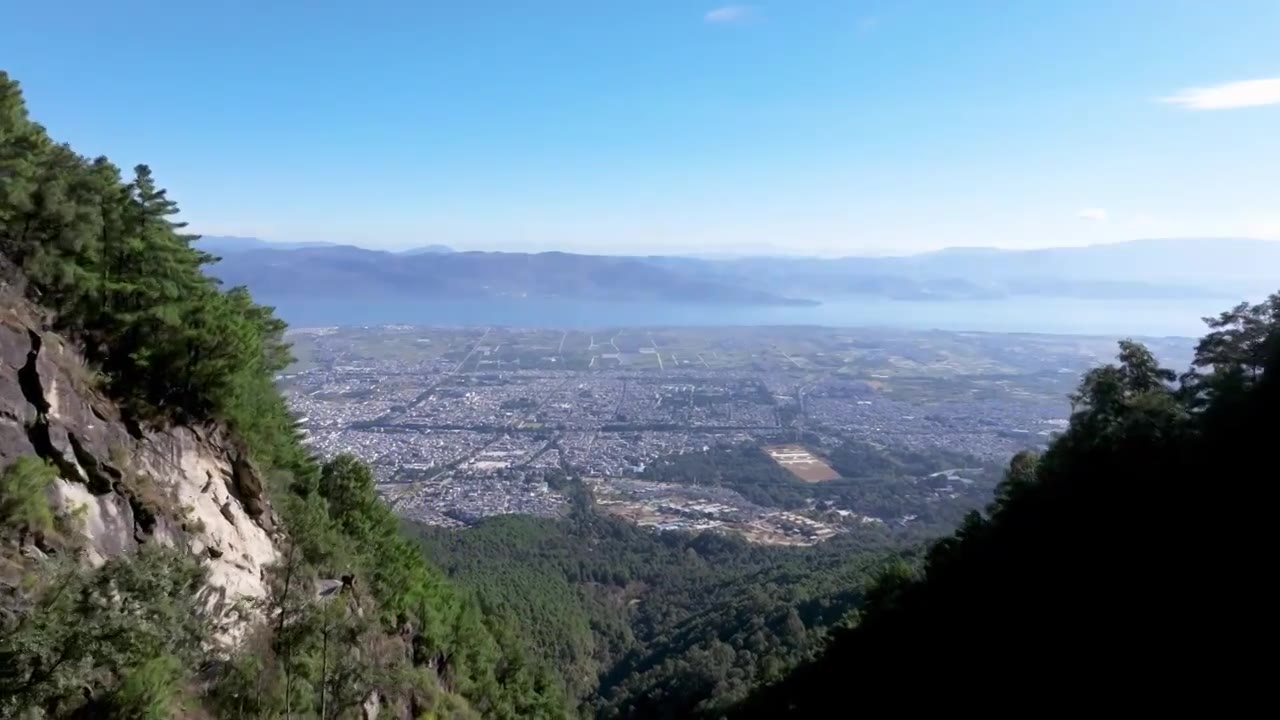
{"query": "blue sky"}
(675, 125)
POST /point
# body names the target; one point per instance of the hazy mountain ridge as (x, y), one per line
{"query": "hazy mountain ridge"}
(220, 244)
(430, 274)
(1152, 269)
(229, 244)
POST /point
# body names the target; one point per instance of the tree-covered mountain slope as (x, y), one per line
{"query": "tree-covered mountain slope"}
(168, 548)
(1122, 563)
(671, 625)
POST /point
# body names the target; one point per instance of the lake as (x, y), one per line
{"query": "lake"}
(1021, 314)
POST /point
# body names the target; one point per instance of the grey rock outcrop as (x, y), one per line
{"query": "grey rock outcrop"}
(183, 486)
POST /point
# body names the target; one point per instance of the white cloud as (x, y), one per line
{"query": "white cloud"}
(1245, 93)
(1094, 214)
(728, 14)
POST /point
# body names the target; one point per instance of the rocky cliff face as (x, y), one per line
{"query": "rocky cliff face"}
(126, 486)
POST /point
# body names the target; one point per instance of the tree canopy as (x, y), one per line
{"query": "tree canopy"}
(1125, 551)
(669, 625)
(1117, 564)
(106, 255)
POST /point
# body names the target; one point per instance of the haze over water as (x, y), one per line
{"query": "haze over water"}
(1015, 315)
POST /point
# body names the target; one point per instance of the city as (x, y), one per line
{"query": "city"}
(460, 424)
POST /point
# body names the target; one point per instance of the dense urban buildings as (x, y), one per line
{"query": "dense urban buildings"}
(460, 424)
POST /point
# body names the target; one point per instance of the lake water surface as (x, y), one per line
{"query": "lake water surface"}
(1022, 314)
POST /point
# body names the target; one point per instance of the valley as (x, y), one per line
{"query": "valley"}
(678, 516)
(635, 361)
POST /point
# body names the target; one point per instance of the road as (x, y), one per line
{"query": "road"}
(656, 351)
(431, 387)
(458, 368)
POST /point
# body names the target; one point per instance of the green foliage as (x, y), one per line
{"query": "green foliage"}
(745, 468)
(150, 691)
(395, 623)
(645, 625)
(881, 482)
(659, 626)
(108, 257)
(1099, 568)
(24, 505)
(80, 638)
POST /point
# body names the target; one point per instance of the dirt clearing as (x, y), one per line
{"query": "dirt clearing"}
(801, 463)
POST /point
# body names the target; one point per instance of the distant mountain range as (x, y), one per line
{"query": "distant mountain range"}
(1154, 269)
(231, 244)
(343, 270)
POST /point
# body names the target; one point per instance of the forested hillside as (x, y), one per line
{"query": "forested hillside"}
(1122, 558)
(1119, 566)
(646, 625)
(1088, 571)
(355, 619)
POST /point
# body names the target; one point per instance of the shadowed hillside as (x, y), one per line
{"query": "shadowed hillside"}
(1119, 562)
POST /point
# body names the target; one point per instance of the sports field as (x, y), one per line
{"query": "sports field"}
(801, 463)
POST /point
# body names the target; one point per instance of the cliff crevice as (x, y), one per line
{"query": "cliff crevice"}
(185, 487)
